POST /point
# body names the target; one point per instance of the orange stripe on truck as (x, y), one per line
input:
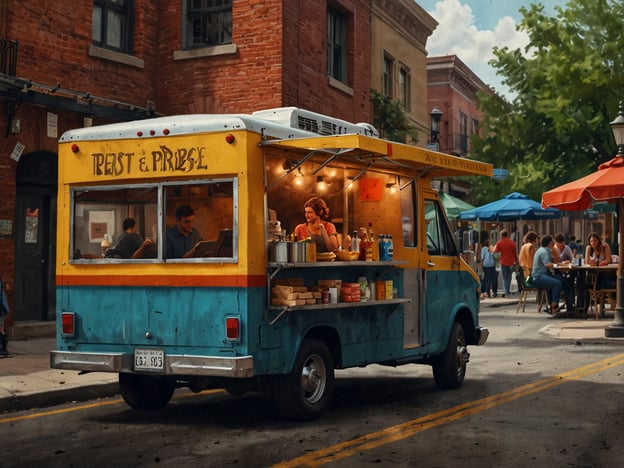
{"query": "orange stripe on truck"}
(232, 281)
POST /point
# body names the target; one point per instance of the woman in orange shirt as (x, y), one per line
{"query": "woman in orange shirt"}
(527, 252)
(317, 226)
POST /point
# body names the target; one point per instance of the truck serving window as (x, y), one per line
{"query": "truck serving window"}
(131, 223)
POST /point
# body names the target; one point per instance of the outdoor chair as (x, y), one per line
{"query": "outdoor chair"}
(541, 297)
(598, 297)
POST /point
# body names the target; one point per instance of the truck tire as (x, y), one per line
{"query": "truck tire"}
(306, 391)
(449, 368)
(145, 392)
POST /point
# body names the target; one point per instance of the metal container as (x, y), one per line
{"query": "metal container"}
(297, 252)
(278, 252)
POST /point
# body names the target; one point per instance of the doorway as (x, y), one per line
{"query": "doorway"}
(35, 237)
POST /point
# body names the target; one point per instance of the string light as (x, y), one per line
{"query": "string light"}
(299, 177)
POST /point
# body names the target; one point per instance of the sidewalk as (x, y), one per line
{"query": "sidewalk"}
(27, 381)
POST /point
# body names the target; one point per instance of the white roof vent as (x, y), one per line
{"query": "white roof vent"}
(316, 123)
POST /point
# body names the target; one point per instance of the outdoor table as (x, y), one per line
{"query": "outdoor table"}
(579, 274)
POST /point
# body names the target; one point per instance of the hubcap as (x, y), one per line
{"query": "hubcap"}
(313, 379)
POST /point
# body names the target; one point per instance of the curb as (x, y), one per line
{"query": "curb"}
(26, 401)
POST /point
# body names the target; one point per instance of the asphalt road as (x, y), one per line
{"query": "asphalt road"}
(528, 400)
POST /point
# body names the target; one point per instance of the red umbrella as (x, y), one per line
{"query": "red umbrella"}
(606, 184)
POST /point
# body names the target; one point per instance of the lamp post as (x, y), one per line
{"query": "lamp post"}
(436, 116)
(616, 328)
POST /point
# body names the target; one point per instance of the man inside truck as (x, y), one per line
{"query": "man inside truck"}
(182, 238)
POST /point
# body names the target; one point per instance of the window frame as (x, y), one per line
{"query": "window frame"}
(388, 76)
(125, 10)
(405, 85)
(163, 197)
(440, 238)
(337, 46)
(463, 132)
(217, 17)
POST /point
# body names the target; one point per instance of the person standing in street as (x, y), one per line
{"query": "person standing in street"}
(488, 284)
(4, 311)
(508, 259)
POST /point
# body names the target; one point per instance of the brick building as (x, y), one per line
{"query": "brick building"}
(400, 29)
(452, 90)
(69, 64)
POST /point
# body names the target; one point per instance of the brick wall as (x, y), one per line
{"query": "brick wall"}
(280, 61)
(54, 38)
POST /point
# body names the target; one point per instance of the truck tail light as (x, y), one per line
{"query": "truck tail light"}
(68, 323)
(232, 328)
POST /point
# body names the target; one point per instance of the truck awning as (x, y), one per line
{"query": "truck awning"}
(426, 163)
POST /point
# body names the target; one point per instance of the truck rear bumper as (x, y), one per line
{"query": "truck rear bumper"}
(236, 367)
(482, 335)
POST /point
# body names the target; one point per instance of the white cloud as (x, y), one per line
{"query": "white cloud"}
(457, 34)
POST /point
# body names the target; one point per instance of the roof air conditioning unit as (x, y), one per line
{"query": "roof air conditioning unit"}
(316, 123)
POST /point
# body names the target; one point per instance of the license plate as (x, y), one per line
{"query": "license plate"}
(149, 359)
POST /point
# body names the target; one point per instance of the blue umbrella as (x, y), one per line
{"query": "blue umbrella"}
(509, 208)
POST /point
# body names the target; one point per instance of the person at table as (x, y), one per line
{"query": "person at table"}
(562, 253)
(317, 226)
(508, 259)
(544, 278)
(597, 253)
(130, 243)
(575, 247)
(182, 238)
(527, 252)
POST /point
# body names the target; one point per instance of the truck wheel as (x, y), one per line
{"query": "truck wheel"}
(307, 390)
(449, 368)
(144, 392)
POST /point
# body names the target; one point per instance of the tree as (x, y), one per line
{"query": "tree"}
(567, 84)
(390, 119)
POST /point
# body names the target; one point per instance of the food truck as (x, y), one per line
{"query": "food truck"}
(254, 309)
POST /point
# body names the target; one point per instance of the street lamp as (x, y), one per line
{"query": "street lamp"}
(616, 328)
(617, 126)
(436, 116)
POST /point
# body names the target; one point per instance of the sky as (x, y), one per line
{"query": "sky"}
(471, 28)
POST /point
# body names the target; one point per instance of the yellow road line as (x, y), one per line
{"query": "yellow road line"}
(410, 428)
(59, 411)
(88, 406)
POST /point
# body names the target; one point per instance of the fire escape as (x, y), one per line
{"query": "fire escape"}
(15, 90)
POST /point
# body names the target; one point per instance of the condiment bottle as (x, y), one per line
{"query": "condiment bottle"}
(374, 245)
(365, 246)
(355, 242)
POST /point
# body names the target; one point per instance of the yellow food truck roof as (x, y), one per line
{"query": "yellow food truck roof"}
(427, 163)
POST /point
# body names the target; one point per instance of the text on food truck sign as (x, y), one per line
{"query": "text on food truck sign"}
(441, 160)
(164, 159)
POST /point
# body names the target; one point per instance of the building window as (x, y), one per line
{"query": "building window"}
(388, 75)
(113, 25)
(208, 23)
(404, 87)
(463, 132)
(475, 127)
(336, 45)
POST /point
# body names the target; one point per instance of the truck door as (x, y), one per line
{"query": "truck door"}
(442, 271)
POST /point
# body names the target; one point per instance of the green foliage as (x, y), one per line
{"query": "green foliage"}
(567, 84)
(391, 120)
